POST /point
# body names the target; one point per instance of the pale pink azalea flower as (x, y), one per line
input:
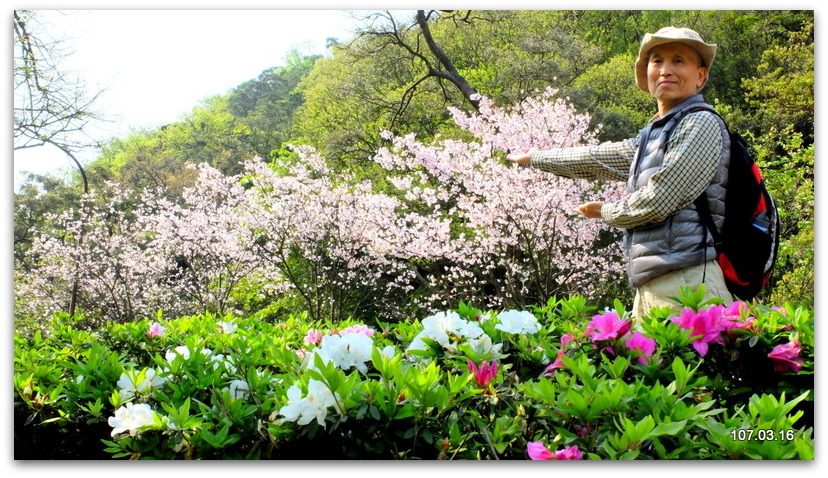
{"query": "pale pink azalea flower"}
(781, 310)
(358, 329)
(155, 330)
(314, 337)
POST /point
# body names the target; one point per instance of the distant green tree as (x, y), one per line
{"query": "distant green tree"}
(38, 196)
(267, 105)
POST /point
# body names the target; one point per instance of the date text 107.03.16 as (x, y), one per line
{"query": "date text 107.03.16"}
(745, 434)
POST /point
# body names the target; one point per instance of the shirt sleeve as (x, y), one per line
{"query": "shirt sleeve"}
(689, 165)
(606, 161)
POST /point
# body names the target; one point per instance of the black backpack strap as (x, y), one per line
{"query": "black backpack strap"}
(707, 220)
(701, 201)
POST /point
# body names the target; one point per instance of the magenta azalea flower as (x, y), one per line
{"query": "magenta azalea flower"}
(569, 453)
(537, 451)
(558, 363)
(643, 344)
(737, 309)
(785, 357)
(705, 325)
(485, 373)
(608, 326)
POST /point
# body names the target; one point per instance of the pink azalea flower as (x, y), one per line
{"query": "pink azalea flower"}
(643, 344)
(558, 363)
(357, 329)
(155, 330)
(485, 373)
(537, 451)
(785, 357)
(301, 353)
(608, 326)
(314, 337)
(781, 310)
(567, 339)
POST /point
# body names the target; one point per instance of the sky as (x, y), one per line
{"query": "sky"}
(153, 67)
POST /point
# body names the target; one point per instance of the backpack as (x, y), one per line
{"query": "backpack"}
(748, 244)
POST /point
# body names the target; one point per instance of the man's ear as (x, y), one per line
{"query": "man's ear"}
(702, 78)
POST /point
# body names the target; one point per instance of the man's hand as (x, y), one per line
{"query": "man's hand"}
(522, 158)
(591, 210)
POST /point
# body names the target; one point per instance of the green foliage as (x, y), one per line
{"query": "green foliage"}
(218, 387)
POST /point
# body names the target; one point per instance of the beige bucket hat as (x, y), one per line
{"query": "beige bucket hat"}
(668, 35)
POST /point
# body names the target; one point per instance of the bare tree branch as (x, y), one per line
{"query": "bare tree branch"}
(50, 107)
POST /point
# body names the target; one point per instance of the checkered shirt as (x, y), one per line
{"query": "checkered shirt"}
(689, 166)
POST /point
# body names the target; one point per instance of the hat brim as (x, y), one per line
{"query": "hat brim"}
(707, 51)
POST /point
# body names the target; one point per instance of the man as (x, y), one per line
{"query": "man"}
(665, 241)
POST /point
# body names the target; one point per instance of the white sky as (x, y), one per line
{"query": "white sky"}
(154, 66)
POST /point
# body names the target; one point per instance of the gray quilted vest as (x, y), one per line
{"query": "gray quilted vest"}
(679, 241)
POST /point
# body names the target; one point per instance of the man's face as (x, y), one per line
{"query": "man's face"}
(674, 72)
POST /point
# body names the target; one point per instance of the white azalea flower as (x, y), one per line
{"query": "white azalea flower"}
(130, 418)
(128, 386)
(517, 322)
(389, 352)
(351, 350)
(181, 350)
(445, 328)
(238, 389)
(313, 406)
(227, 327)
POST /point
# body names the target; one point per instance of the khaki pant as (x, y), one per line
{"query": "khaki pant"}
(658, 291)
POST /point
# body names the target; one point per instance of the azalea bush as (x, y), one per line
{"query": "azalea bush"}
(561, 380)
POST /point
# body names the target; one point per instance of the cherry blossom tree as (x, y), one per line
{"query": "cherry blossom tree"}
(458, 224)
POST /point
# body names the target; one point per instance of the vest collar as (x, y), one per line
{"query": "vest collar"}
(692, 99)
